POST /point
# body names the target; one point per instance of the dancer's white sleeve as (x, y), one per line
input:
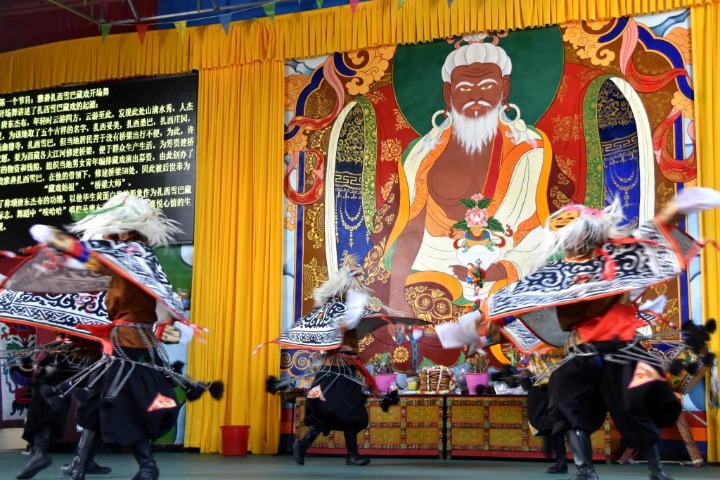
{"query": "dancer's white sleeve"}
(464, 332)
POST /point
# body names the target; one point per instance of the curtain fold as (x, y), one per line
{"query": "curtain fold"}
(706, 78)
(238, 235)
(237, 270)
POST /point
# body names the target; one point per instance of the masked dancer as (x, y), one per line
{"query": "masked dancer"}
(336, 399)
(127, 397)
(596, 268)
(47, 413)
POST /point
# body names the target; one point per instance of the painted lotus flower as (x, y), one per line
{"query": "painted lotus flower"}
(477, 215)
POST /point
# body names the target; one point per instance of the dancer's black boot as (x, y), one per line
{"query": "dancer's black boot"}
(144, 456)
(557, 443)
(76, 470)
(581, 448)
(39, 457)
(91, 466)
(652, 455)
(353, 457)
(301, 445)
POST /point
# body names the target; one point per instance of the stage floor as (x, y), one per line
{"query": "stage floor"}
(197, 466)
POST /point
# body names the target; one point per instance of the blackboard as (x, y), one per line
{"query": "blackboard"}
(68, 150)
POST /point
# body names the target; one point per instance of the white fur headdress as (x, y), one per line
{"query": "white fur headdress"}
(590, 230)
(125, 213)
(348, 277)
(477, 51)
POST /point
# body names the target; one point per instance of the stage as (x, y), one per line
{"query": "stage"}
(197, 466)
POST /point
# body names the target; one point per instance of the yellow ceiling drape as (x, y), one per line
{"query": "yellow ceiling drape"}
(706, 69)
(238, 238)
(301, 35)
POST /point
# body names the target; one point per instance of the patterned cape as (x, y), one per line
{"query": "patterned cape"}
(526, 309)
(320, 329)
(42, 289)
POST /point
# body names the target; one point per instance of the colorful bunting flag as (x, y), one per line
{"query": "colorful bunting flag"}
(353, 5)
(319, 3)
(182, 29)
(104, 30)
(225, 22)
(141, 30)
(401, 3)
(270, 10)
(450, 3)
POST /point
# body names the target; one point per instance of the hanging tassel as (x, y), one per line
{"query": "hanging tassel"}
(271, 384)
(709, 360)
(692, 368)
(194, 392)
(526, 382)
(711, 326)
(676, 367)
(388, 400)
(216, 389)
(695, 336)
(480, 390)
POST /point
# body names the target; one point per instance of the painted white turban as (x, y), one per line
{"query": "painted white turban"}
(476, 53)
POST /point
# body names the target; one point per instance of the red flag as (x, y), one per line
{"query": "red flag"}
(353, 5)
(141, 30)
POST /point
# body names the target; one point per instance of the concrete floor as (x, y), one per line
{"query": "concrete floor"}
(186, 466)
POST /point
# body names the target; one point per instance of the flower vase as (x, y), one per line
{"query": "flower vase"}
(477, 382)
(384, 381)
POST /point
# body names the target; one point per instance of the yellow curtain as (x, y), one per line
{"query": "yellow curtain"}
(238, 243)
(238, 262)
(706, 69)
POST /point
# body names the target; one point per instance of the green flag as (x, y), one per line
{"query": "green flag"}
(104, 30)
(270, 10)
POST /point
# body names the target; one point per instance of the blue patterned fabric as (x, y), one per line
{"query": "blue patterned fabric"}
(638, 266)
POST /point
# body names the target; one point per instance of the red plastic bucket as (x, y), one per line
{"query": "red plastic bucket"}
(235, 439)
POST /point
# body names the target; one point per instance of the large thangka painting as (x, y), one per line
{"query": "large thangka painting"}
(424, 160)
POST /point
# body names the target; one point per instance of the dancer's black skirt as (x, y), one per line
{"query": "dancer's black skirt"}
(585, 388)
(336, 402)
(144, 407)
